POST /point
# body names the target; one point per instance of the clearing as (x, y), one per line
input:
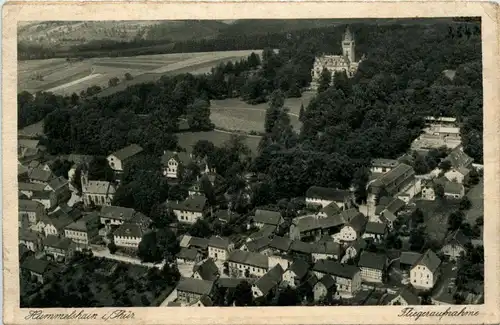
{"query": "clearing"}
(188, 139)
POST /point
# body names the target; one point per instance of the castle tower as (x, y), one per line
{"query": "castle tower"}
(348, 45)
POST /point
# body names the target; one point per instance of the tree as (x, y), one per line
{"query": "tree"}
(455, 220)
(445, 165)
(417, 217)
(301, 112)
(148, 250)
(198, 115)
(161, 216)
(113, 82)
(273, 111)
(325, 80)
(177, 193)
(203, 148)
(128, 76)
(61, 167)
(243, 294)
(288, 297)
(112, 247)
(465, 203)
(439, 190)
(201, 228)
(417, 239)
(99, 169)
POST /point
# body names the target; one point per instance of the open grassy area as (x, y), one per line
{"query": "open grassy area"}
(188, 139)
(436, 216)
(476, 197)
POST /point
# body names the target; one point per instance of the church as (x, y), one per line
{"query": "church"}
(345, 62)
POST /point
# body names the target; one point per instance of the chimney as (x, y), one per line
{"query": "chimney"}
(164, 152)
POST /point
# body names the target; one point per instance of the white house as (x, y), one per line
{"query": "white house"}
(268, 282)
(172, 161)
(382, 165)
(31, 210)
(372, 266)
(428, 192)
(83, 230)
(219, 248)
(323, 196)
(353, 229)
(296, 273)
(241, 261)
(425, 272)
(347, 277)
(129, 235)
(190, 210)
(458, 175)
(114, 215)
(454, 190)
(455, 244)
(118, 159)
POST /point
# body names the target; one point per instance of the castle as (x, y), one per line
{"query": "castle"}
(345, 62)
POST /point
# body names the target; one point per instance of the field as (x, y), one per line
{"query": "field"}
(64, 78)
(234, 114)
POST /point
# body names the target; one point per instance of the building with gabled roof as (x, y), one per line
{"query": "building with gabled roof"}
(172, 161)
(317, 195)
(190, 290)
(115, 215)
(382, 165)
(129, 234)
(40, 176)
(455, 244)
(458, 158)
(219, 248)
(390, 183)
(190, 210)
(353, 228)
(375, 230)
(326, 249)
(373, 266)
(188, 255)
(280, 245)
(118, 159)
(296, 273)
(206, 270)
(258, 245)
(95, 192)
(268, 282)
(240, 261)
(347, 277)
(37, 268)
(31, 210)
(425, 272)
(264, 217)
(453, 190)
(84, 229)
(325, 286)
(58, 248)
(402, 297)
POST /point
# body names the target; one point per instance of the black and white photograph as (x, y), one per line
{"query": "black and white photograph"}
(312, 162)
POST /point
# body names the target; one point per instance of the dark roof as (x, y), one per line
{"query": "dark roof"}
(198, 242)
(307, 223)
(129, 229)
(195, 203)
(219, 242)
(331, 209)
(35, 265)
(453, 188)
(457, 237)
(395, 206)
(327, 281)
(115, 212)
(372, 260)
(57, 183)
(358, 223)
(206, 301)
(326, 247)
(28, 235)
(270, 280)
(56, 242)
(189, 254)
(41, 195)
(378, 228)
(249, 258)
(231, 282)
(326, 193)
(197, 286)
(409, 297)
(40, 175)
(181, 157)
(280, 243)
(301, 247)
(258, 244)
(87, 222)
(267, 217)
(127, 152)
(29, 205)
(207, 270)
(458, 158)
(22, 186)
(265, 231)
(358, 244)
(409, 258)
(299, 268)
(390, 176)
(430, 260)
(226, 215)
(335, 268)
(58, 219)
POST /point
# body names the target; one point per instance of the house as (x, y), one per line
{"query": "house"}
(407, 260)
(390, 183)
(173, 162)
(428, 192)
(188, 255)
(78, 161)
(40, 176)
(47, 198)
(264, 217)
(305, 228)
(403, 297)
(201, 244)
(458, 158)
(94, 192)
(323, 196)
(38, 269)
(195, 189)
(459, 175)
(354, 249)
(301, 250)
(258, 245)
(455, 244)
(326, 249)
(29, 188)
(296, 273)
(190, 290)
(268, 282)
(241, 261)
(329, 211)
(347, 277)
(324, 287)
(30, 239)
(83, 230)
(55, 223)
(115, 215)
(425, 272)
(382, 165)
(32, 210)
(454, 190)
(219, 248)
(280, 245)
(205, 301)
(373, 266)
(353, 229)
(59, 249)
(118, 159)
(190, 210)
(375, 230)
(206, 270)
(226, 215)
(60, 187)
(24, 253)
(266, 231)
(391, 211)
(129, 234)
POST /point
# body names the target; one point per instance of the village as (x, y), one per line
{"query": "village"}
(334, 251)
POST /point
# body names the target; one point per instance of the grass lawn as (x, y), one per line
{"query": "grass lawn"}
(476, 197)
(436, 216)
(188, 139)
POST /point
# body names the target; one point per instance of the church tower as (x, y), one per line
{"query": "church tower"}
(348, 45)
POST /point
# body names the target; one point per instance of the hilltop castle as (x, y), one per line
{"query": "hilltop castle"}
(345, 62)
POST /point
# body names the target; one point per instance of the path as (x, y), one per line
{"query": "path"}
(238, 133)
(74, 82)
(106, 254)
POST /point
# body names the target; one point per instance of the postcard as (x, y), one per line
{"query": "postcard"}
(250, 162)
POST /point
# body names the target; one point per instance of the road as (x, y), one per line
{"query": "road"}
(476, 197)
(126, 259)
